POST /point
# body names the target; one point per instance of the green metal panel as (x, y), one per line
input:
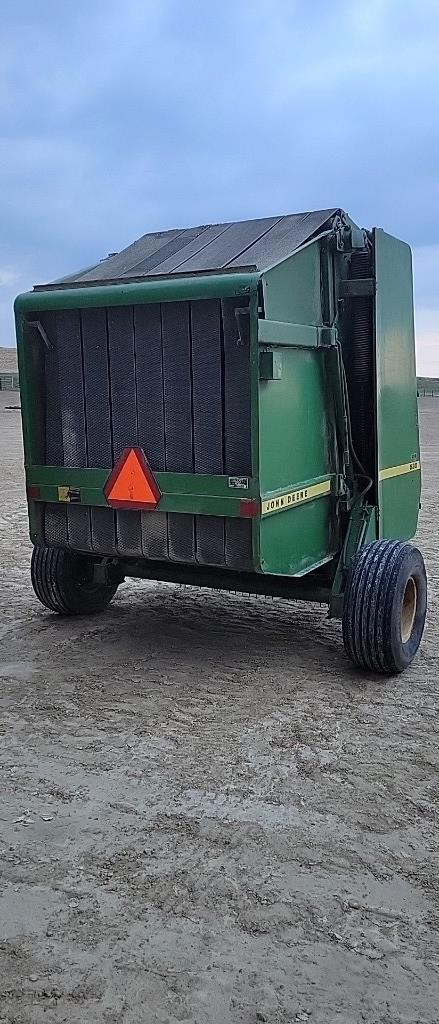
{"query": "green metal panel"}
(292, 289)
(397, 410)
(270, 365)
(297, 540)
(293, 428)
(197, 493)
(172, 483)
(163, 290)
(273, 332)
(292, 422)
(293, 448)
(254, 411)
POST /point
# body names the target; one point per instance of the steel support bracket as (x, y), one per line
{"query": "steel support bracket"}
(354, 288)
(279, 334)
(355, 536)
(349, 237)
(270, 365)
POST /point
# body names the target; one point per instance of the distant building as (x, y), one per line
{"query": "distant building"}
(8, 369)
(428, 387)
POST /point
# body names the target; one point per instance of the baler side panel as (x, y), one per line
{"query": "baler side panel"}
(292, 289)
(399, 479)
(293, 449)
(294, 423)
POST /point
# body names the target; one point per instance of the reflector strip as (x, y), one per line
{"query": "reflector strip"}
(406, 467)
(131, 483)
(293, 498)
(249, 508)
(33, 493)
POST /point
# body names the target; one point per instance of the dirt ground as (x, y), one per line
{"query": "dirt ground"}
(206, 815)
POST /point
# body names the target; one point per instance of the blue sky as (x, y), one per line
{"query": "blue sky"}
(119, 118)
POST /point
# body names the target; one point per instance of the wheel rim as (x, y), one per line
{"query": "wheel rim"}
(408, 609)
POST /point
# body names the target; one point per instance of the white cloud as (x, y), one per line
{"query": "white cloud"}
(8, 277)
(127, 118)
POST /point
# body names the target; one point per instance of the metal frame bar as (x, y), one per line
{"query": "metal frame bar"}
(161, 290)
(274, 332)
(196, 493)
(305, 588)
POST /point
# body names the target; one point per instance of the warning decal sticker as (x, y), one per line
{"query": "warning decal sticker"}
(131, 483)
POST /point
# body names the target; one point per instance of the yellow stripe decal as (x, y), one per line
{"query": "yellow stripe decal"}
(408, 467)
(283, 501)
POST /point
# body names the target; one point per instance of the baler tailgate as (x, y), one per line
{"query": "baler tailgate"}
(172, 379)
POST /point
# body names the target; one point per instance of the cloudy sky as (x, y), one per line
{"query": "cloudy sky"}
(122, 117)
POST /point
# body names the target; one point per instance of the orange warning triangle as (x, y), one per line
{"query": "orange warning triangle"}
(131, 483)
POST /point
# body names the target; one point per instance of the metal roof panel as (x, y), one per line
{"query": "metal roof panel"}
(257, 244)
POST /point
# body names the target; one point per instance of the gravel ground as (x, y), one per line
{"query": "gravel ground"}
(206, 815)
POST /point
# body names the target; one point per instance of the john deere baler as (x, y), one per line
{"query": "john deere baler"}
(232, 406)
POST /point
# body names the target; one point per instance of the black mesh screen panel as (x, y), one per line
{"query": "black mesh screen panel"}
(237, 432)
(149, 382)
(173, 379)
(96, 388)
(177, 391)
(124, 413)
(53, 432)
(150, 417)
(239, 543)
(55, 516)
(71, 387)
(71, 392)
(207, 386)
(207, 404)
(98, 417)
(237, 436)
(155, 535)
(55, 526)
(177, 387)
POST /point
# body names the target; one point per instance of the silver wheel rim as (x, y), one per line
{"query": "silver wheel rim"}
(408, 609)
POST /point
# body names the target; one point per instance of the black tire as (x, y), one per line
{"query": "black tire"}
(385, 606)
(63, 582)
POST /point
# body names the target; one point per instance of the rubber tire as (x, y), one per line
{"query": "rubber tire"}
(374, 594)
(55, 575)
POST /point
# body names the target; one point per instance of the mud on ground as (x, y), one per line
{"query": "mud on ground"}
(206, 815)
